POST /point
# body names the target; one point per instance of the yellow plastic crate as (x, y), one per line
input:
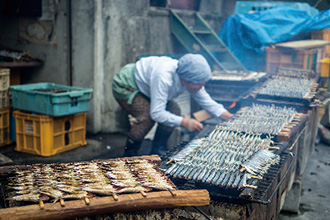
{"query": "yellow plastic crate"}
(46, 135)
(325, 67)
(325, 63)
(5, 127)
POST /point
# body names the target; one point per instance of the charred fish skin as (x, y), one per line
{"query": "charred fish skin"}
(206, 175)
(220, 179)
(231, 180)
(212, 175)
(225, 180)
(172, 169)
(237, 181)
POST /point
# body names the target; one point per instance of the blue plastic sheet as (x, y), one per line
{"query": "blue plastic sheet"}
(253, 6)
(247, 35)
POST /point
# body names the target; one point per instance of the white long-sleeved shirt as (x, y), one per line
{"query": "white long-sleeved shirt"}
(156, 78)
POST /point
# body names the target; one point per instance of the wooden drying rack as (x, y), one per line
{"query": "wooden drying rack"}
(106, 204)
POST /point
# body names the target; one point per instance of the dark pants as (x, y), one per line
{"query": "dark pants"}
(140, 110)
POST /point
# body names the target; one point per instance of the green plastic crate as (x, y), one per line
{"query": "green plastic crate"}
(51, 99)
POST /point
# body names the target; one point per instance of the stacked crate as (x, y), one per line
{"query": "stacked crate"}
(323, 34)
(49, 118)
(4, 107)
(286, 58)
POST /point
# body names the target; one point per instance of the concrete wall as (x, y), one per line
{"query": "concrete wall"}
(44, 37)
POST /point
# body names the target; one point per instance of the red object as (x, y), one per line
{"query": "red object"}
(232, 105)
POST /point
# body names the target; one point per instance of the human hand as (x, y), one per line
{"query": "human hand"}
(226, 116)
(192, 124)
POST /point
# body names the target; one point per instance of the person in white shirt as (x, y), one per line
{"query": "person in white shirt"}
(146, 89)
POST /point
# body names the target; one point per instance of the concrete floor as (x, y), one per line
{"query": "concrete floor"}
(315, 198)
(101, 146)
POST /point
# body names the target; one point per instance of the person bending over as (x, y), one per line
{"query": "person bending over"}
(146, 90)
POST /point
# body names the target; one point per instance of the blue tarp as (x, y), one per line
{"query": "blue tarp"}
(253, 6)
(247, 35)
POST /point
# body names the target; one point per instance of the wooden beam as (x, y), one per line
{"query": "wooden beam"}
(104, 205)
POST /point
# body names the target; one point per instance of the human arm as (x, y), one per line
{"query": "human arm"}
(159, 97)
(226, 116)
(211, 106)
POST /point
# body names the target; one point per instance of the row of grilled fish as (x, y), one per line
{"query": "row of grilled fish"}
(266, 119)
(294, 73)
(85, 179)
(287, 87)
(220, 157)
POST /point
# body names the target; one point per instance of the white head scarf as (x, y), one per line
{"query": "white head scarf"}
(193, 68)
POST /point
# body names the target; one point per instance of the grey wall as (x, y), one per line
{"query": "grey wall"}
(44, 37)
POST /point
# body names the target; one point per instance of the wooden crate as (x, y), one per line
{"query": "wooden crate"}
(323, 34)
(289, 58)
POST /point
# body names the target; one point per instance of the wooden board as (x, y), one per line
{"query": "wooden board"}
(202, 115)
(303, 44)
(103, 205)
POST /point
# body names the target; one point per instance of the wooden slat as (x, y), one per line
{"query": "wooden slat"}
(303, 44)
(103, 205)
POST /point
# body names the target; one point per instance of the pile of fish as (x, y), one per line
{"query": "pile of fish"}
(294, 73)
(86, 179)
(220, 158)
(287, 87)
(266, 119)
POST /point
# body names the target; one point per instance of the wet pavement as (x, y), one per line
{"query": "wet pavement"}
(315, 199)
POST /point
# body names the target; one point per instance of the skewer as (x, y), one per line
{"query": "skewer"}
(256, 177)
(276, 148)
(41, 204)
(143, 193)
(87, 200)
(251, 186)
(170, 161)
(115, 197)
(172, 192)
(62, 202)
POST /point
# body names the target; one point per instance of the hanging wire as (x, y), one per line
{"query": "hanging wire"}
(317, 3)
